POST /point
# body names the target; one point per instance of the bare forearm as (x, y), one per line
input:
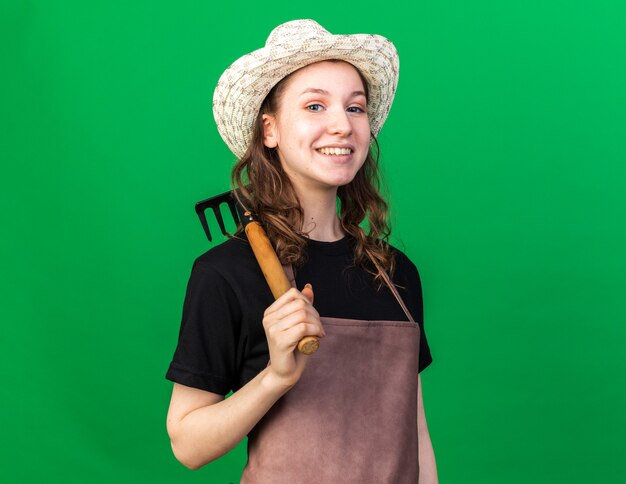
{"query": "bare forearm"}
(203, 426)
(428, 466)
(426, 453)
(209, 432)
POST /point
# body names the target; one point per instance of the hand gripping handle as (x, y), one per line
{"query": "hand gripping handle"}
(273, 271)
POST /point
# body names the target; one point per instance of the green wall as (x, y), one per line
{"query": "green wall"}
(505, 157)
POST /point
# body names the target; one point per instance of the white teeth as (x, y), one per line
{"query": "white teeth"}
(335, 151)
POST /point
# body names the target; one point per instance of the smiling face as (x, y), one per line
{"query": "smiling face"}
(320, 130)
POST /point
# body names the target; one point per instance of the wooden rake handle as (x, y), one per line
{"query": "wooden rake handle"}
(274, 273)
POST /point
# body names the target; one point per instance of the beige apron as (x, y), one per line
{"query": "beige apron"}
(352, 416)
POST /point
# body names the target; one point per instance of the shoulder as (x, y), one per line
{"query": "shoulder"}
(232, 264)
(405, 272)
(225, 257)
(233, 247)
(402, 261)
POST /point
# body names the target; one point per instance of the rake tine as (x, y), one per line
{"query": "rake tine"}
(218, 217)
(232, 204)
(215, 203)
(200, 208)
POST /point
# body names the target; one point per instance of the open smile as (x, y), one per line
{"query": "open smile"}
(333, 151)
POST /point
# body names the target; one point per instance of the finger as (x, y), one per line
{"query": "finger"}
(274, 328)
(293, 306)
(307, 291)
(291, 295)
(290, 337)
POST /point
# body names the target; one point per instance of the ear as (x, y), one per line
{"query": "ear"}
(270, 131)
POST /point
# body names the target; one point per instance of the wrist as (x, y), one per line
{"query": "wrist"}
(275, 383)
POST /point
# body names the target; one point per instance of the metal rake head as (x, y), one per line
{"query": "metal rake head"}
(215, 202)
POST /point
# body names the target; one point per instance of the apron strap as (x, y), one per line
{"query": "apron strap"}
(393, 289)
(292, 280)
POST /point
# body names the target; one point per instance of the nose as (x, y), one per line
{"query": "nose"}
(339, 123)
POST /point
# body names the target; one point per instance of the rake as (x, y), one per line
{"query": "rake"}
(261, 246)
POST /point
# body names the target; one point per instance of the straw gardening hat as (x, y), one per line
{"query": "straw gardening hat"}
(244, 85)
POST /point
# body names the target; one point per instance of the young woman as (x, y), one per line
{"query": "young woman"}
(301, 114)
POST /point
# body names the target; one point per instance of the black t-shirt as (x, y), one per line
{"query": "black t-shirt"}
(222, 343)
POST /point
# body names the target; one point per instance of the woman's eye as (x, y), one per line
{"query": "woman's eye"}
(314, 107)
(355, 109)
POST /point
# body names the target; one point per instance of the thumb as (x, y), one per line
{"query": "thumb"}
(307, 290)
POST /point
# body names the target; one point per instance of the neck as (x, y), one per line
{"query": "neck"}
(321, 221)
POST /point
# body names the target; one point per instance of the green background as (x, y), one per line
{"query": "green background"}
(505, 159)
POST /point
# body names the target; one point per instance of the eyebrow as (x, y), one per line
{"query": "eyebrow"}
(312, 90)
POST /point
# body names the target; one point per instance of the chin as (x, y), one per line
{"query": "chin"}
(340, 182)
